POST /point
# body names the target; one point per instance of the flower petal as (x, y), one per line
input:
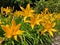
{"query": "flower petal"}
(54, 30)
(26, 20)
(28, 7)
(54, 24)
(5, 28)
(22, 8)
(32, 26)
(51, 34)
(43, 31)
(19, 32)
(15, 37)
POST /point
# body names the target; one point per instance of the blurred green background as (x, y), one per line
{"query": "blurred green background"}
(38, 5)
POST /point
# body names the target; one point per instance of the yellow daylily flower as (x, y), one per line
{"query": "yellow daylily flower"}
(18, 13)
(45, 12)
(34, 20)
(48, 27)
(12, 31)
(46, 15)
(6, 10)
(28, 11)
(48, 22)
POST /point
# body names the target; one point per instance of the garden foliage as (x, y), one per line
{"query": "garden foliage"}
(35, 22)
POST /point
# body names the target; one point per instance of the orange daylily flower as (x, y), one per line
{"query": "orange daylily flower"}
(48, 27)
(48, 22)
(12, 31)
(34, 20)
(18, 13)
(28, 11)
(45, 15)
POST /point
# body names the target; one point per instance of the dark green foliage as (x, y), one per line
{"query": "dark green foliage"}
(38, 5)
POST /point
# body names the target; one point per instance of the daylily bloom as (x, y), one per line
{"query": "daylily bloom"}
(45, 15)
(12, 31)
(6, 10)
(28, 11)
(47, 22)
(34, 20)
(18, 13)
(48, 27)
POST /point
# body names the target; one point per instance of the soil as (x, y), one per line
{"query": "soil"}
(56, 40)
